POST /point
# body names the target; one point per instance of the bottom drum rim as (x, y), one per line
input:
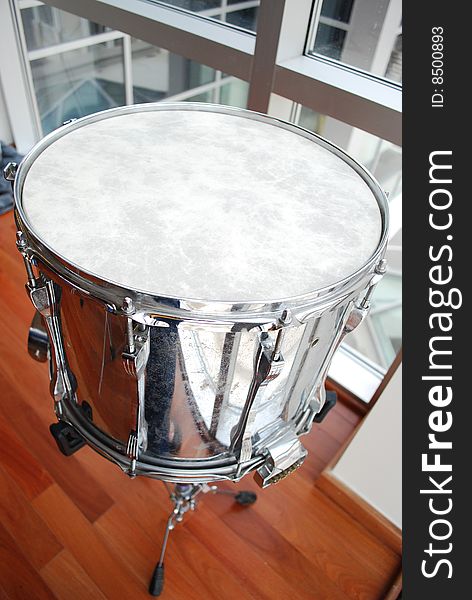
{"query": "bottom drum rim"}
(193, 470)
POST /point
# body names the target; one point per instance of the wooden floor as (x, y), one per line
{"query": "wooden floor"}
(76, 528)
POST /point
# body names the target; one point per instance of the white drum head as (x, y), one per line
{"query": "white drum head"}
(200, 204)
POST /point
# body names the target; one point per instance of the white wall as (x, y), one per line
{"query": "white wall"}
(5, 129)
(371, 464)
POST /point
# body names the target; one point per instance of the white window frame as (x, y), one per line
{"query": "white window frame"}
(273, 62)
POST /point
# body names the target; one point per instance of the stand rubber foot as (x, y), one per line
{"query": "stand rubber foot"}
(245, 498)
(157, 581)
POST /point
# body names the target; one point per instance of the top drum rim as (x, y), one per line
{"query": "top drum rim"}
(113, 294)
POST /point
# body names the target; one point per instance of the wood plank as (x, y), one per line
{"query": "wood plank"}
(151, 504)
(346, 532)
(187, 558)
(324, 568)
(77, 534)
(32, 535)
(77, 482)
(336, 549)
(321, 444)
(123, 535)
(146, 502)
(66, 578)
(85, 543)
(20, 464)
(26, 406)
(18, 579)
(312, 467)
(151, 493)
(271, 572)
(196, 562)
(362, 512)
(395, 589)
(336, 425)
(141, 496)
(351, 407)
(265, 578)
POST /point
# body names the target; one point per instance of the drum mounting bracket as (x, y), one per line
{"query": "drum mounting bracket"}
(284, 453)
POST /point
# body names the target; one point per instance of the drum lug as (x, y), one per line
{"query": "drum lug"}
(136, 355)
(39, 290)
(360, 311)
(284, 453)
(380, 270)
(9, 172)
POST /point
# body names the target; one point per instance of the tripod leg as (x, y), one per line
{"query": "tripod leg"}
(183, 498)
(157, 580)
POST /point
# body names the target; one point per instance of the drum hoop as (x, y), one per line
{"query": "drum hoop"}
(172, 469)
(217, 311)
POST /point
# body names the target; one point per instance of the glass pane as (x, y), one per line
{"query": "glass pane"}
(309, 119)
(240, 13)
(46, 26)
(245, 18)
(340, 10)
(76, 83)
(330, 41)
(379, 337)
(383, 159)
(362, 33)
(204, 97)
(159, 74)
(234, 93)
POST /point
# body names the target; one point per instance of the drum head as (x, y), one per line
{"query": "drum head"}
(201, 202)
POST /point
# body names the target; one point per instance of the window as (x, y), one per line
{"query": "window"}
(239, 13)
(46, 26)
(79, 67)
(362, 33)
(79, 82)
(378, 339)
(159, 74)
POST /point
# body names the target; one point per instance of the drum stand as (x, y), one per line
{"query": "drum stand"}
(183, 497)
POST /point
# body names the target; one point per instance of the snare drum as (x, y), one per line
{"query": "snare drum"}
(196, 267)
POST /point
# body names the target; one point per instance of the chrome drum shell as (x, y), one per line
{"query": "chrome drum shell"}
(172, 383)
